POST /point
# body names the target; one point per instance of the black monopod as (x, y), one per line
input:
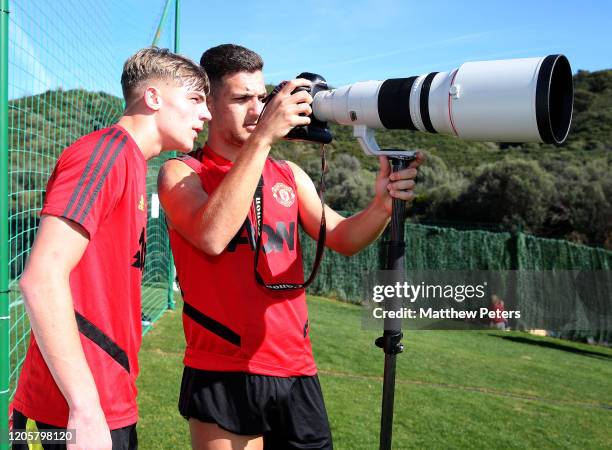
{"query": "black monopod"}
(390, 341)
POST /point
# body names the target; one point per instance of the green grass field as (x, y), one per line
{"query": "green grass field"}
(455, 389)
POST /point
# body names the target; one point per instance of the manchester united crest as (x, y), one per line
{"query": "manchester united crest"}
(283, 194)
(141, 203)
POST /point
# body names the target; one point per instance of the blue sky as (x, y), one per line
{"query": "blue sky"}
(347, 41)
(64, 44)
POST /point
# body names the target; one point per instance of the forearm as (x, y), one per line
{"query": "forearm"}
(221, 217)
(352, 234)
(49, 304)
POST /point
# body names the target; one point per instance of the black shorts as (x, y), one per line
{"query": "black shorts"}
(288, 412)
(123, 438)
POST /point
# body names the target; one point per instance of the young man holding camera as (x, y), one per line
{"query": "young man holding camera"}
(250, 378)
(81, 285)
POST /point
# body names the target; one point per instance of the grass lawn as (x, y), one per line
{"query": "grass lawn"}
(459, 389)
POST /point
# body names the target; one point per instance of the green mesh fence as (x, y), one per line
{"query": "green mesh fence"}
(64, 68)
(547, 254)
(435, 248)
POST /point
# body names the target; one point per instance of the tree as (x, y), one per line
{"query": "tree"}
(349, 188)
(437, 188)
(510, 192)
(583, 201)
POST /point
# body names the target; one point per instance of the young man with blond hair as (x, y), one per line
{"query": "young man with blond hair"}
(81, 284)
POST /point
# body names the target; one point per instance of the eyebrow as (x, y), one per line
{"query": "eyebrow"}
(199, 94)
(248, 93)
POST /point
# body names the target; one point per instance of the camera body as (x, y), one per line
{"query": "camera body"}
(317, 130)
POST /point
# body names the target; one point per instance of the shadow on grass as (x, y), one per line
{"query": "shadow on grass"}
(555, 346)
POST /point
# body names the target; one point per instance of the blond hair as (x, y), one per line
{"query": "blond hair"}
(161, 64)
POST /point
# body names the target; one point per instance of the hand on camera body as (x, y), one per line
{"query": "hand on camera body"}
(285, 110)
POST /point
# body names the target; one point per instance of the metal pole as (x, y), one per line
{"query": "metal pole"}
(171, 272)
(177, 26)
(390, 341)
(4, 228)
(161, 23)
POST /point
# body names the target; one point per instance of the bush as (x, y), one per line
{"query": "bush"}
(516, 193)
(437, 187)
(349, 188)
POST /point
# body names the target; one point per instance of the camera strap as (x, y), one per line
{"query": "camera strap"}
(259, 207)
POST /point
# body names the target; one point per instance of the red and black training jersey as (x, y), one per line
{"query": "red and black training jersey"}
(98, 182)
(231, 323)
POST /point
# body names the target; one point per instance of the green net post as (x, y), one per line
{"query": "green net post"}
(177, 25)
(171, 275)
(4, 199)
(160, 27)
(171, 302)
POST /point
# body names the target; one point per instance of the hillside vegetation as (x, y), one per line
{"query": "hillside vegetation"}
(560, 192)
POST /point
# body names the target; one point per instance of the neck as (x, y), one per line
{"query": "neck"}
(144, 132)
(222, 147)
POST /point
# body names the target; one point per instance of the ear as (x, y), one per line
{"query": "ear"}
(152, 98)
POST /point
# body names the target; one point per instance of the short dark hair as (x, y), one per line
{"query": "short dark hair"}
(160, 63)
(228, 59)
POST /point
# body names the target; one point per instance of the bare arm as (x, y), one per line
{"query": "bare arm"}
(350, 235)
(210, 222)
(58, 247)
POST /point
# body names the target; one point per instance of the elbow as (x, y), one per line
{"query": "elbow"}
(204, 240)
(211, 247)
(27, 285)
(348, 252)
(37, 286)
(24, 284)
(344, 250)
(212, 250)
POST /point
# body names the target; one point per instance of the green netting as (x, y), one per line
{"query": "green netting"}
(64, 68)
(547, 254)
(435, 248)
(339, 276)
(429, 247)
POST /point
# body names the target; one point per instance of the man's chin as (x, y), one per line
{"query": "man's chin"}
(240, 139)
(187, 147)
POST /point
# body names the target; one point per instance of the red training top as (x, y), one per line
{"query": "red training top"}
(231, 323)
(499, 309)
(100, 183)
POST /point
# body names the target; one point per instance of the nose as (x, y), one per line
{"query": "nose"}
(204, 115)
(256, 106)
